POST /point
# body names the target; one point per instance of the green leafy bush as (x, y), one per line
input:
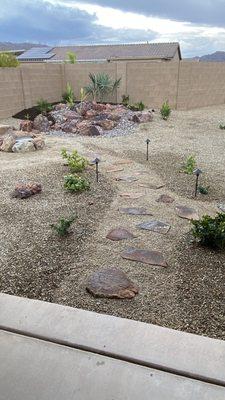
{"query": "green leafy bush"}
(210, 231)
(137, 106)
(68, 97)
(8, 60)
(72, 58)
(203, 189)
(75, 183)
(189, 166)
(43, 106)
(63, 225)
(101, 85)
(221, 126)
(165, 110)
(75, 162)
(125, 100)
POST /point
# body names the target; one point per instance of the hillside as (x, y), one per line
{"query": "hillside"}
(4, 46)
(218, 56)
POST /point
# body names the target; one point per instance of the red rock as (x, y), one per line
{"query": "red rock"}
(41, 123)
(106, 124)
(111, 283)
(86, 128)
(70, 126)
(26, 125)
(90, 114)
(99, 106)
(119, 234)
(60, 106)
(165, 198)
(25, 190)
(142, 117)
(145, 256)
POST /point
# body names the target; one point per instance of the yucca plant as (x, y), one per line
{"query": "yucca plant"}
(101, 85)
(165, 110)
(68, 96)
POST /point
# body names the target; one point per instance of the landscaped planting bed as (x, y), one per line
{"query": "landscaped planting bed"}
(133, 220)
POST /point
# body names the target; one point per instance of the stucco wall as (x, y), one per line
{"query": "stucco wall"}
(184, 84)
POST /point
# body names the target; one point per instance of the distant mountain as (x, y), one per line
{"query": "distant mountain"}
(4, 46)
(218, 56)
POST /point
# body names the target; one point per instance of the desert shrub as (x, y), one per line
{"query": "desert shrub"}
(101, 85)
(68, 97)
(72, 58)
(221, 126)
(75, 183)
(75, 162)
(203, 189)
(137, 106)
(165, 110)
(189, 166)
(210, 231)
(125, 100)
(63, 225)
(43, 106)
(8, 60)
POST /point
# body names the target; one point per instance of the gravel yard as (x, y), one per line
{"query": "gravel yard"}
(187, 295)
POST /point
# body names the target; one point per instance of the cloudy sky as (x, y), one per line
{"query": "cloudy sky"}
(199, 25)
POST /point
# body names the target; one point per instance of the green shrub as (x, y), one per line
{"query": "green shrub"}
(63, 225)
(165, 110)
(125, 100)
(137, 106)
(101, 85)
(75, 183)
(189, 166)
(203, 189)
(221, 126)
(43, 106)
(72, 58)
(75, 162)
(69, 97)
(8, 60)
(210, 231)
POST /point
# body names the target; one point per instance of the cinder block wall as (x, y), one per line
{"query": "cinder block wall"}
(184, 84)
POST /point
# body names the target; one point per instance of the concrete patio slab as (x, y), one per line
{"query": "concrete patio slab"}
(177, 352)
(33, 369)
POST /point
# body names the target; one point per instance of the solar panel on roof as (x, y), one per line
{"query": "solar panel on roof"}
(37, 53)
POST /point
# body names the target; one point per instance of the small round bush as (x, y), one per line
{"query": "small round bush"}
(75, 183)
(210, 231)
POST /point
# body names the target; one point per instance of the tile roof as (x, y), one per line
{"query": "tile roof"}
(107, 52)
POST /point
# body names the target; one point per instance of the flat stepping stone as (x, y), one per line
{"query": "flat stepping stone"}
(134, 211)
(151, 186)
(155, 226)
(114, 169)
(122, 162)
(119, 234)
(187, 213)
(126, 178)
(221, 207)
(111, 283)
(132, 195)
(145, 256)
(165, 198)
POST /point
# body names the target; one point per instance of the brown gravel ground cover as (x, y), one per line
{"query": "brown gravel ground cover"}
(187, 295)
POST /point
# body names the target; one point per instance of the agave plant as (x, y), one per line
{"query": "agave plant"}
(101, 85)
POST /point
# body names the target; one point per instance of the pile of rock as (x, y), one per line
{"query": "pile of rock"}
(20, 141)
(24, 190)
(86, 118)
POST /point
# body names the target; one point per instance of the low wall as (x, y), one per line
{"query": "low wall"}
(184, 84)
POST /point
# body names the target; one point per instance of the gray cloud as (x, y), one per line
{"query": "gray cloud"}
(210, 12)
(40, 21)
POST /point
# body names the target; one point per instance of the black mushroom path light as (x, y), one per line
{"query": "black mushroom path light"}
(96, 162)
(197, 172)
(147, 142)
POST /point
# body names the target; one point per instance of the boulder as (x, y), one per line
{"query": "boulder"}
(86, 128)
(71, 115)
(90, 114)
(70, 126)
(58, 116)
(25, 190)
(8, 143)
(5, 129)
(60, 106)
(99, 106)
(39, 143)
(142, 117)
(106, 124)
(23, 146)
(26, 125)
(41, 123)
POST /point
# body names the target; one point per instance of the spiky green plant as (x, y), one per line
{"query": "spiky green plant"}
(101, 85)
(63, 225)
(69, 97)
(165, 110)
(43, 106)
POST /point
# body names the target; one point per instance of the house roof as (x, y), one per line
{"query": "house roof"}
(105, 52)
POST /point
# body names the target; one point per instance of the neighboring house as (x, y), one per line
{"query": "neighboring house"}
(101, 53)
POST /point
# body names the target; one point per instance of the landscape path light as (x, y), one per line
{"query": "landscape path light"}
(197, 173)
(96, 162)
(147, 142)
